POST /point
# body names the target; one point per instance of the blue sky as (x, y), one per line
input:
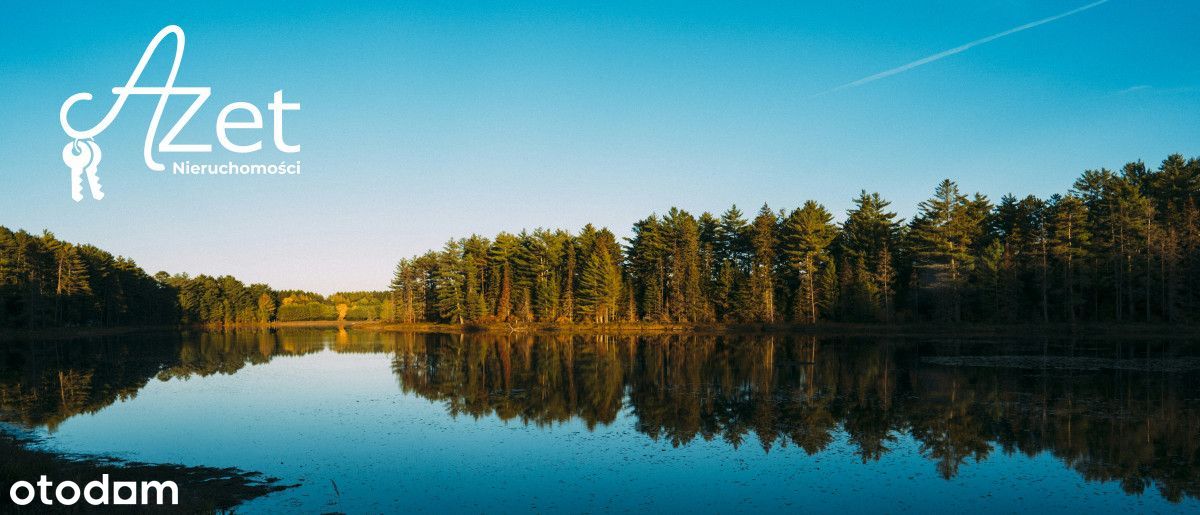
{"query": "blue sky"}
(422, 121)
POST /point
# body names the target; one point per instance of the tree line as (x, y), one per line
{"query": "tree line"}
(1119, 246)
(47, 282)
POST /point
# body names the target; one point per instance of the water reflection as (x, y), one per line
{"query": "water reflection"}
(1111, 411)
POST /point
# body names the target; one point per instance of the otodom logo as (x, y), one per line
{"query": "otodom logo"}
(95, 493)
(82, 155)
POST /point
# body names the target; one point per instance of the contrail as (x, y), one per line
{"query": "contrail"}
(959, 49)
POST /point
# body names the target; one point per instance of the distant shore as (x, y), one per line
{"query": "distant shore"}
(822, 329)
(64, 333)
(648, 328)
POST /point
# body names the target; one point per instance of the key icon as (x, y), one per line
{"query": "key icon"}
(93, 179)
(83, 157)
(77, 157)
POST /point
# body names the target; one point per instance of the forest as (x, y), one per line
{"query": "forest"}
(46, 282)
(1117, 247)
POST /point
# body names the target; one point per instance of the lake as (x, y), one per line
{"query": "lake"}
(366, 421)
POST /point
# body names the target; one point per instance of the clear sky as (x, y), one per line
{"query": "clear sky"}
(424, 121)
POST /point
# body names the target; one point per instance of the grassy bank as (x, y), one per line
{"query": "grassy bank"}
(201, 489)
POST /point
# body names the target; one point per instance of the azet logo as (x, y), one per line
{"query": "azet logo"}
(82, 155)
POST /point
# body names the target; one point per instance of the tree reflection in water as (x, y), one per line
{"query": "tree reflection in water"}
(1129, 421)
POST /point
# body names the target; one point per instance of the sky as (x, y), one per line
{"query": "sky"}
(424, 121)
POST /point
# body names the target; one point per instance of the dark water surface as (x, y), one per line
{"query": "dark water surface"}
(380, 422)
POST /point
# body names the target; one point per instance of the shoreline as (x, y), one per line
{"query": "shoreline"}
(1140, 330)
(68, 333)
(823, 329)
(201, 489)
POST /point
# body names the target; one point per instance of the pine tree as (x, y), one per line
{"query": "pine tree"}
(599, 287)
(942, 235)
(569, 273)
(71, 283)
(683, 234)
(450, 283)
(827, 285)
(409, 287)
(709, 225)
(869, 227)
(885, 278)
(647, 260)
(1069, 240)
(733, 239)
(761, 300)
(806, 236)
(731, 262)
(869, 230)
(500, 256)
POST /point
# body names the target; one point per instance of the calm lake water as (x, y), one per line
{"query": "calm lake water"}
(384, 422)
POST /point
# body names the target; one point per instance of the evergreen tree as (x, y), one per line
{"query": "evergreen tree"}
(867, 236)
(450, 281)
(885, 278)
(806, 235)
(600, 282)
(761, 302)
(500, 259)
(684, 281)
(1069, 241)
(647, 260)
(942, 236)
